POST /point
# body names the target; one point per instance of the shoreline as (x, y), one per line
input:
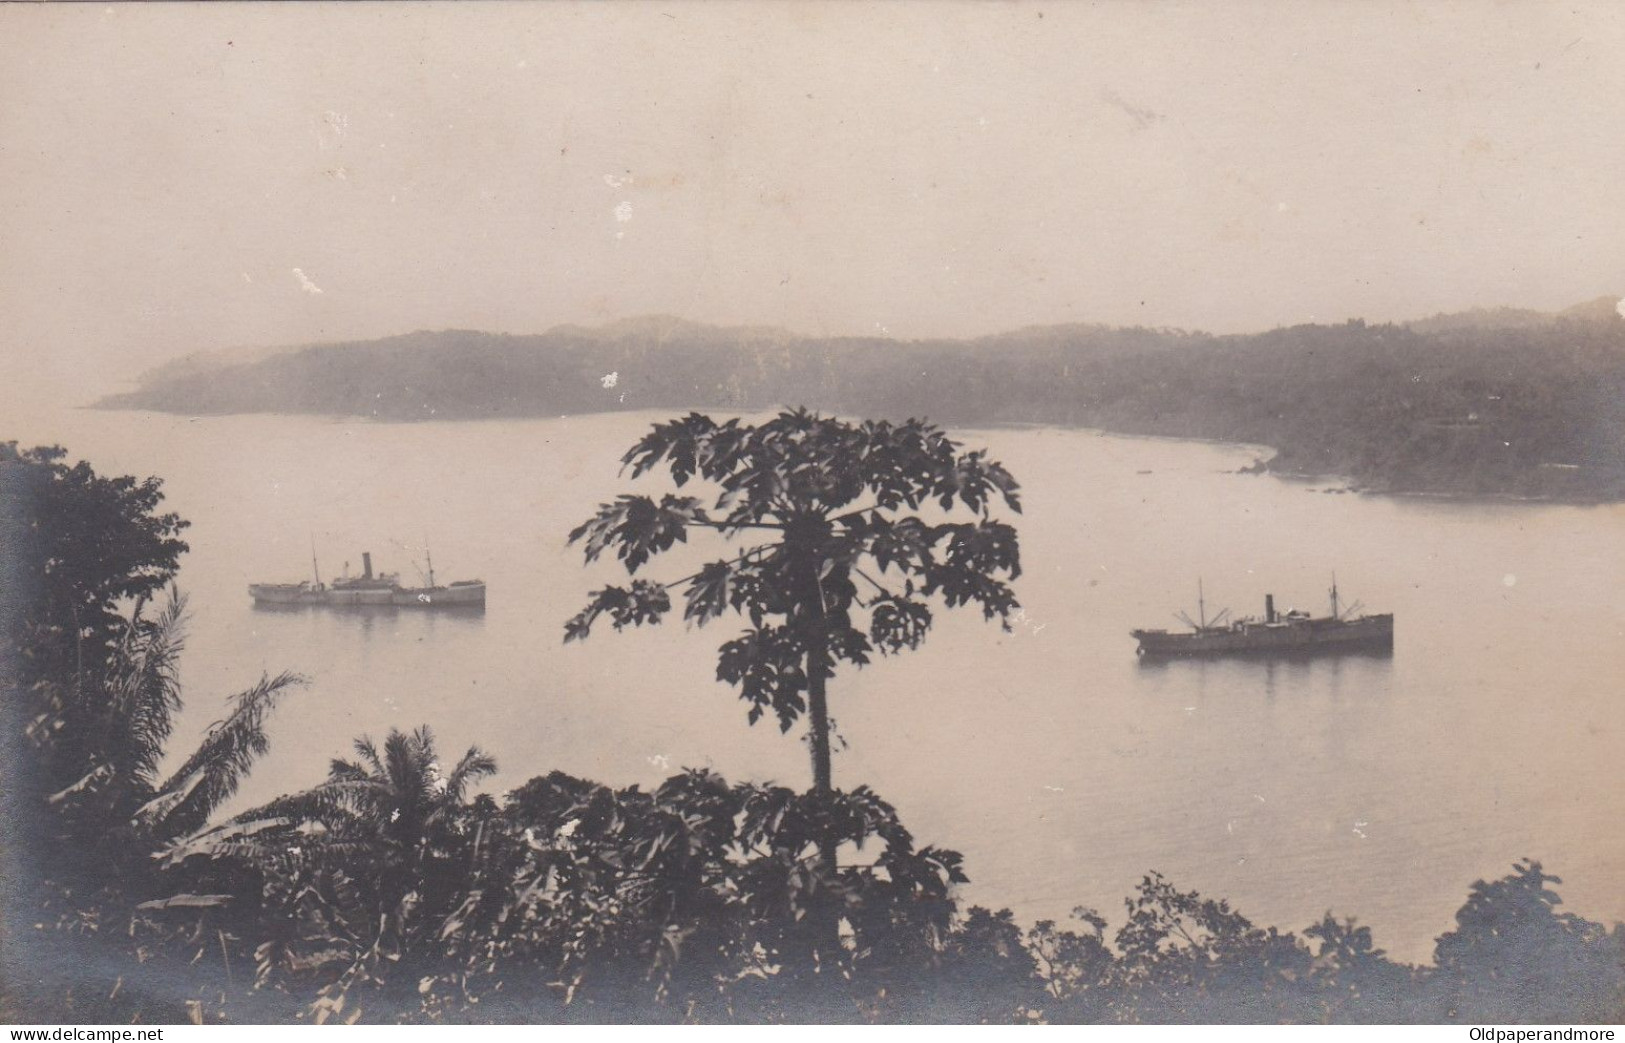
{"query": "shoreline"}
(1262, 465)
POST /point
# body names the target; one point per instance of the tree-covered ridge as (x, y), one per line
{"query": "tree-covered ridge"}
(1494, 402)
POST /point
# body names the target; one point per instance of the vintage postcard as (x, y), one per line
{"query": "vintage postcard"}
(774, 513)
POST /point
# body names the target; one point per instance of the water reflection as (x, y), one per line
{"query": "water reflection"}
(312, 625)
(449, 611)
(1271, 675)
(1272, 660)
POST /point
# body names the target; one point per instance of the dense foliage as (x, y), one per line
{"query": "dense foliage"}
(76, 544)
(824, 502)
(89, 673)
(1498, 402)
(392, 891)
(569, 901)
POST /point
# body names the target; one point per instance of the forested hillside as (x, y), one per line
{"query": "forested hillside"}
(1489, 402)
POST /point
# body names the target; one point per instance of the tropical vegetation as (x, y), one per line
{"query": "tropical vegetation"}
(405, 886)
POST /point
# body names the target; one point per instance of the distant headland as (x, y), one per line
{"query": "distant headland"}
(1490, 402)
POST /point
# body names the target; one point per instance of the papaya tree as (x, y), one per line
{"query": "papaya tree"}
(841, 536)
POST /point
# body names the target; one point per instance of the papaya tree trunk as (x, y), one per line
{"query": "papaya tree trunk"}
(826, 913)
(818, 712)
(818, 703)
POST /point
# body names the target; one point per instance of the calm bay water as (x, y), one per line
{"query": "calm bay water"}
(1059, 764)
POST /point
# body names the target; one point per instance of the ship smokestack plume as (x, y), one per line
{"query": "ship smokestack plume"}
(1269, 607)
(366, 565)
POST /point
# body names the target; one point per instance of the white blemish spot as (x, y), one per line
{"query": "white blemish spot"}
(1620, 307)
(247, 277)
(332, 129)
(616, 181)
(660, 761)
(305, 283)
(623, 211)
(1509, 580)
(1055, 789)
(1258, 798)
(1357, 830)
(609, 380)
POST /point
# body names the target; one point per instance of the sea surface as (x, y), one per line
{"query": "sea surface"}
(1063, 767)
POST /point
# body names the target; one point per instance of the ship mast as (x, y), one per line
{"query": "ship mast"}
(1201, 622)
(1334, 597)
(315, 570)
(428, 559)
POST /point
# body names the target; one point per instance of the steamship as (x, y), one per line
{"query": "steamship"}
(368, 590)
(1276, 633)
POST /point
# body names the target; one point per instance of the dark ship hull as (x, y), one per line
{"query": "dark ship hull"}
(1296, 637)
(1291, 634)
(369, 591)
(469, 594)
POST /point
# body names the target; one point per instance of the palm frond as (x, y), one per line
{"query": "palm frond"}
(340, 770)
(233, 838)
(368, 752)
(212, 773)
(475, 765)
(144, 691)
(333, 803)
(408, 757)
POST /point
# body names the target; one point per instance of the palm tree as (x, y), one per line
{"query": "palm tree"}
(104, 742)
(359, 868)
(403, 795)
(396, 804)
(110, 741)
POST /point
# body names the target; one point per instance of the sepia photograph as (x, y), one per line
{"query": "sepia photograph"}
(810, 513)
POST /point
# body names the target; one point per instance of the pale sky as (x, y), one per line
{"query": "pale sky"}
(189, 177)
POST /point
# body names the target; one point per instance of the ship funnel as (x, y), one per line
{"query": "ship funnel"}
(366, 565)
(1269, 608)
